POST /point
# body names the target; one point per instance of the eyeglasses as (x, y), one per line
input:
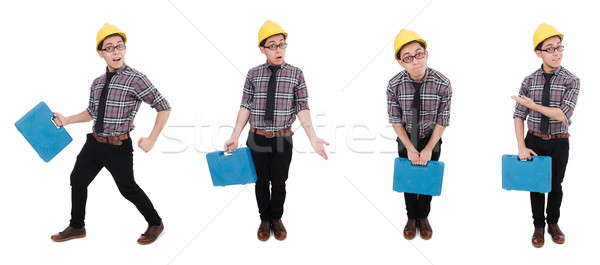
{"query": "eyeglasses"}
(119, 47)
(417, 56)
(273, 47)
(553, 49)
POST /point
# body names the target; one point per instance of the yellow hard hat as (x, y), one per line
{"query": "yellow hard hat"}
(543, 32)
(269, 29)
(106, 30)
(405, 36)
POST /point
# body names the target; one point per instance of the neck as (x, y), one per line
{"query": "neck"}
(272, 64)
(548, 69)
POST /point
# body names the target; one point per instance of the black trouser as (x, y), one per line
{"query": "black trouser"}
(558, 149)
(419, 205)
(272, 157)
(119, 162)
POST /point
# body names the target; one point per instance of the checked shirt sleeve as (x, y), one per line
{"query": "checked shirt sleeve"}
(90, 108)
(149, 94)
(520, 110)
(443, 116)
(300, 94)
(248, 95)
(567, 105)
(393, 106)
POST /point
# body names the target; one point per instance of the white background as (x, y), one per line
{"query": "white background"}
(342, 210)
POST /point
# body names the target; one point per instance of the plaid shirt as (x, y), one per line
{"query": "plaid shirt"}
(564, 89)
(127, 89)
(291, 96)
(436, 93)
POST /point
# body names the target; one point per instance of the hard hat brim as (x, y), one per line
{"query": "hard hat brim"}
(281, 33)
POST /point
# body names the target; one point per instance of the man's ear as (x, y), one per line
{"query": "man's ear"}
(262, 49)
(100, 54)
(538, 53)
(401, 63)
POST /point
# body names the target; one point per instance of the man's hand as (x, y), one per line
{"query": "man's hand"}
(146, 144)
(230, 144)
(424, 156)
(525, 101)
(525, 153)
(59, 120)
(317, 145)
(414, 157)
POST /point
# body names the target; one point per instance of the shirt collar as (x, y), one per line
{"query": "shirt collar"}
(120, 70)
(555, 72)
(425, 77)
(283, 65)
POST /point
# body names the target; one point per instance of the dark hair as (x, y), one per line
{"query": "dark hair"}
(419, 42)
(111, 35)
(539, 46)
(262, 43)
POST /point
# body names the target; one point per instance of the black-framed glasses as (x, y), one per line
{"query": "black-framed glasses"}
(273, 47)
(119, 47)
(553, 49)
(417, 56)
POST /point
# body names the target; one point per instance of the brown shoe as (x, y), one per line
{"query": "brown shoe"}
(557, 236)
(410, 230)
(279, 229)
(538, 238)
(151, 234)
(68, 234)
(425, 228)
(264, 231)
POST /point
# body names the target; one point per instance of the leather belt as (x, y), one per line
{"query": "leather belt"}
(112, 140)
(421, 136)
(285, 132)
(550, 136)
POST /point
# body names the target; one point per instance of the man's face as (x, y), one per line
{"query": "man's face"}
(277, 56)
(551, 60)
(416, 68)
(116, 58)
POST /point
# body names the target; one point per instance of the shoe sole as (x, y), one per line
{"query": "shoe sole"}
(68, 238)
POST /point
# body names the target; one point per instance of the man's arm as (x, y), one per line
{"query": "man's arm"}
(316, 142)
(436, 135)
(147, 144)
(524, 152)
(240, 123)
(60, 120)
(411, 150)
(550, 112)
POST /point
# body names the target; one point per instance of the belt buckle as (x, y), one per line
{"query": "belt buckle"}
(269, 134)
(546, 136)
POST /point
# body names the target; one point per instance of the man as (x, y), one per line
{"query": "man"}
(114, 100)
(419, 111)
(547, 99)
(274, 94)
